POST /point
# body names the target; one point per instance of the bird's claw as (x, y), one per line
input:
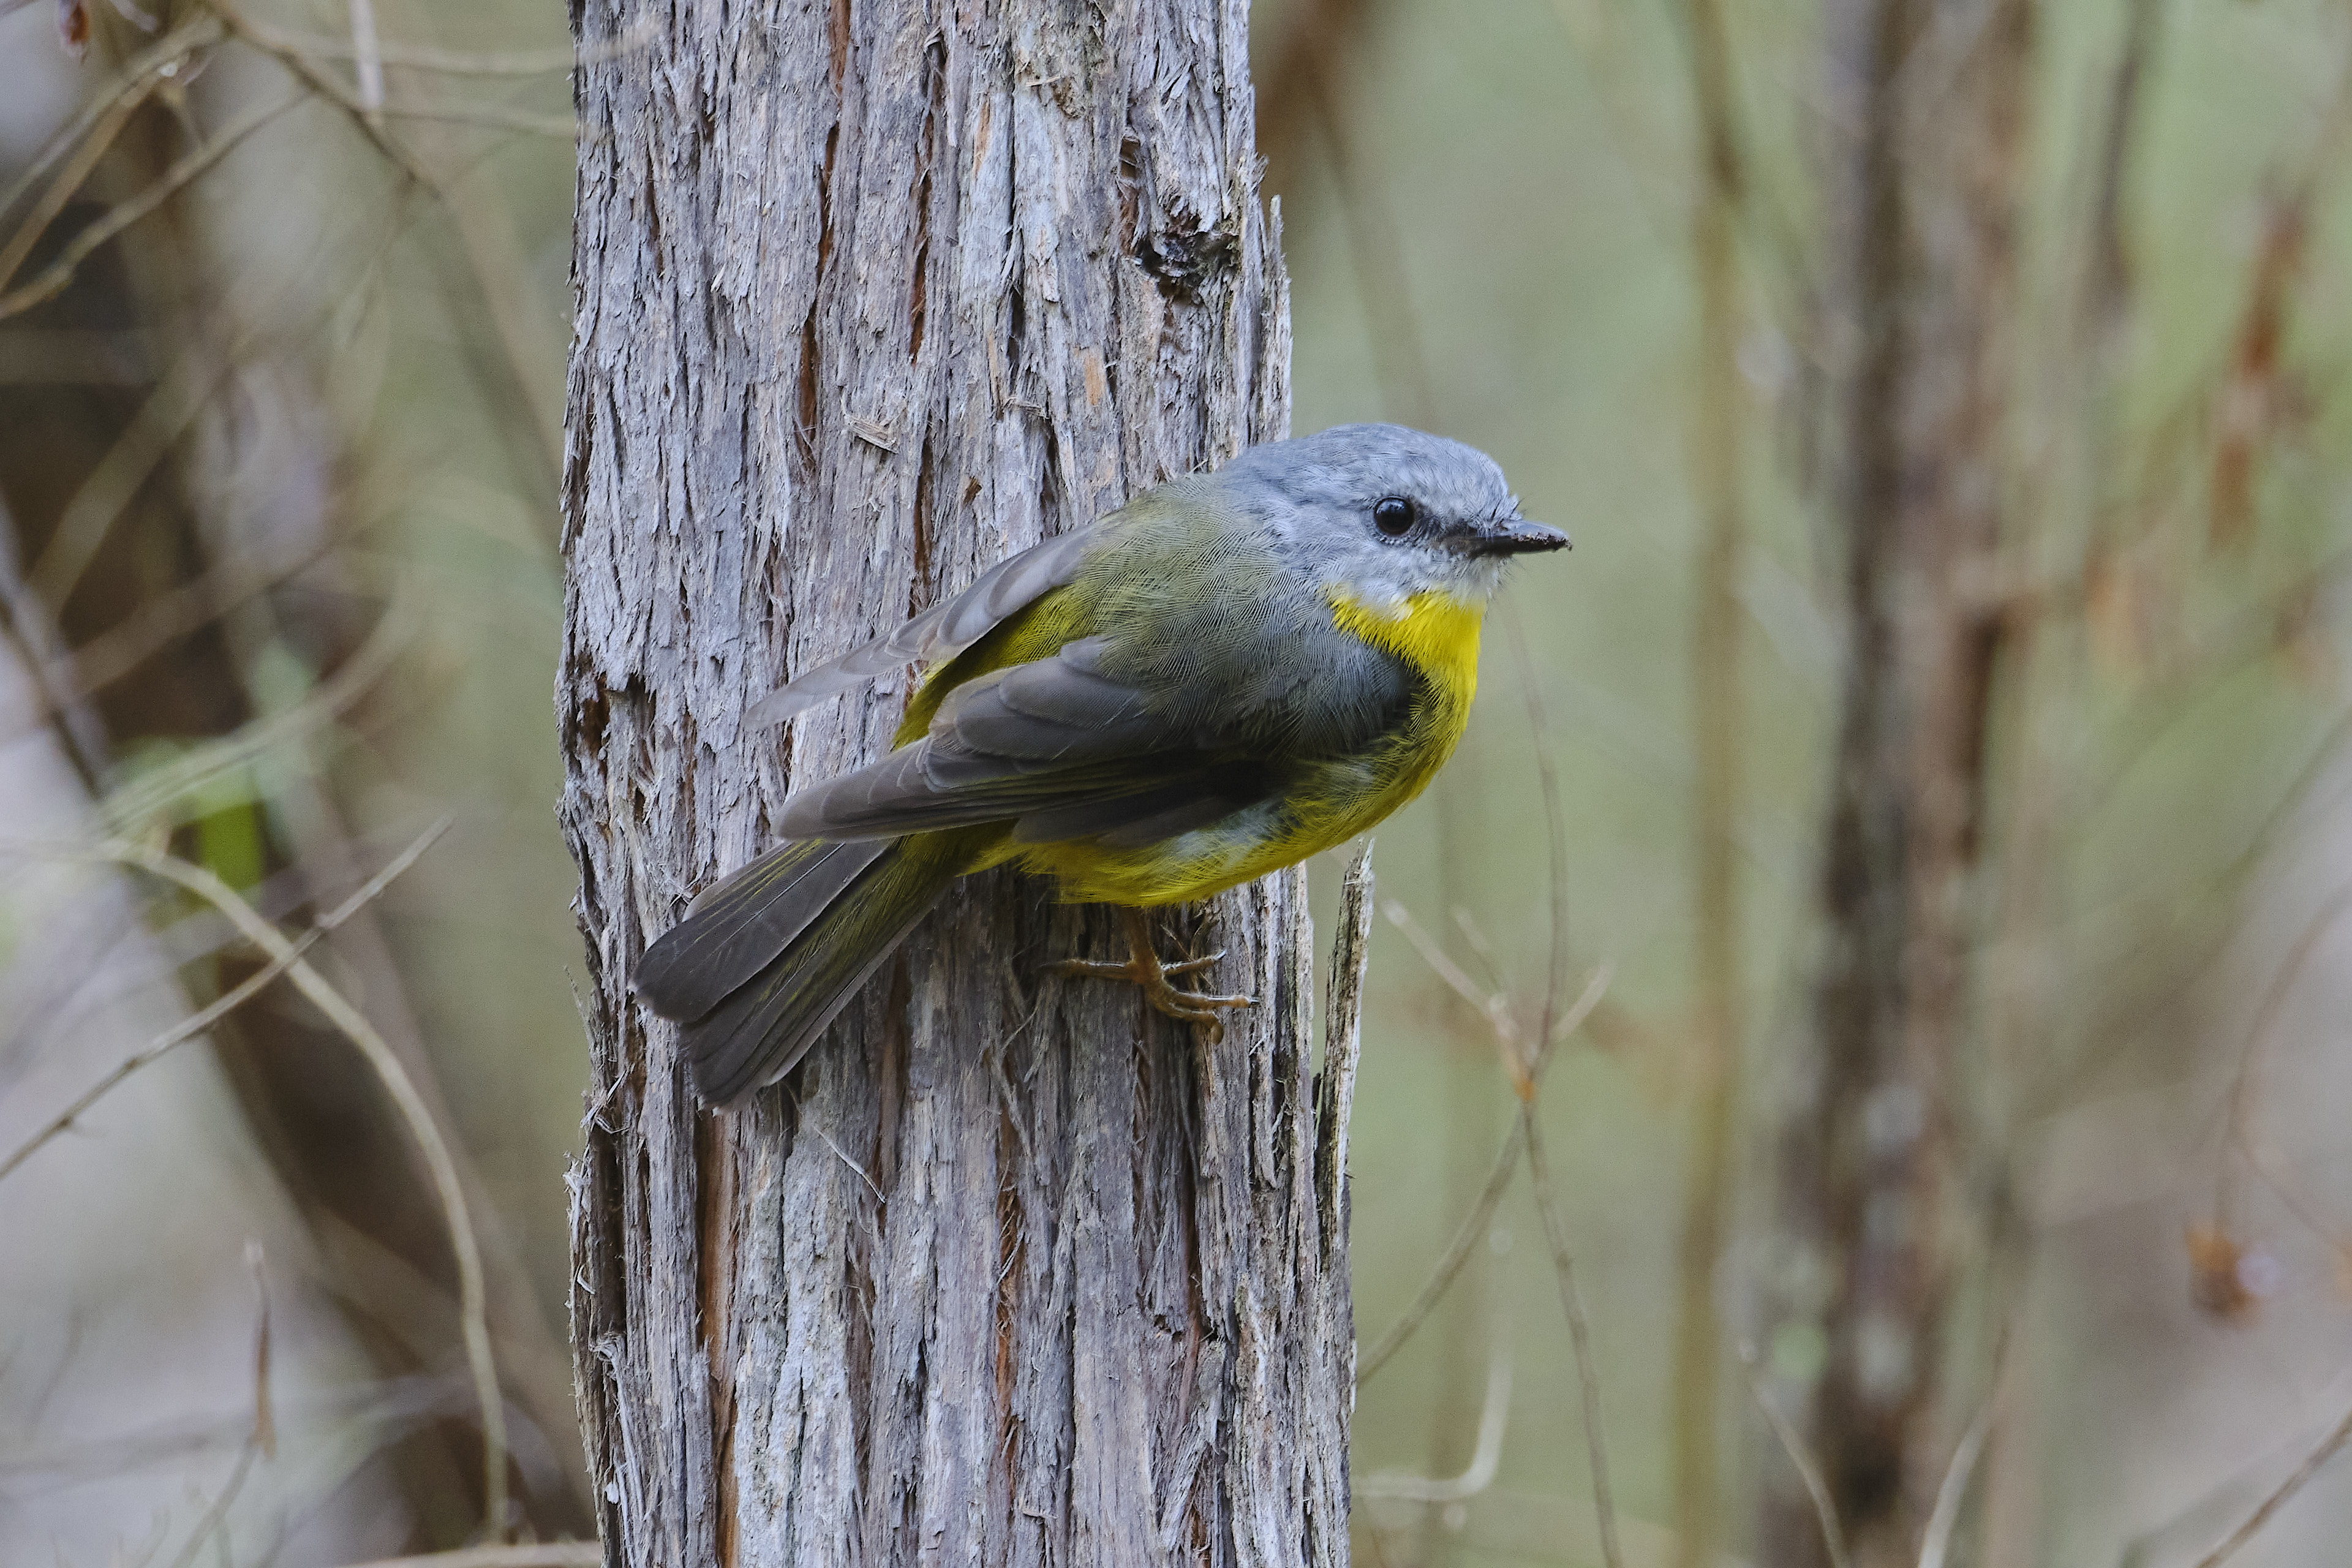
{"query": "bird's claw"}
(1144, 971)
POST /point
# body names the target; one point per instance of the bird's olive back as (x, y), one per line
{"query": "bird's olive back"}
(1205, 610)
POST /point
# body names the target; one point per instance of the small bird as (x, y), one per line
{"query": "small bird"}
(1224, 676)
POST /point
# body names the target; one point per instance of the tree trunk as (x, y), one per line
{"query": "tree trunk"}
(1012, 1271)
(1925, 185)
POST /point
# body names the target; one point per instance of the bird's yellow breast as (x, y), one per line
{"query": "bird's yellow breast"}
(1435, 633)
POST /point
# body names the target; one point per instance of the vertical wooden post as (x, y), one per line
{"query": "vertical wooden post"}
(871, 293)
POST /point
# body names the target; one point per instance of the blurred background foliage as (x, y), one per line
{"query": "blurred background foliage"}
(279, 469)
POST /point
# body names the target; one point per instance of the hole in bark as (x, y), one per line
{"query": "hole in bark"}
(808, 402)
(589, 721)
(935, 66)
(1130, 188)
(837, 37)
(920, 591)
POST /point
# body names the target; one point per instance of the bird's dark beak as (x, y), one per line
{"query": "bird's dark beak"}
(1510, 536)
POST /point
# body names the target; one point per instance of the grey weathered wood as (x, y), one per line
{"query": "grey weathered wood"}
(1012, 1270)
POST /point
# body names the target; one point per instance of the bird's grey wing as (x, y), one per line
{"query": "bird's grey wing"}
(939, 632)
(1054, 747)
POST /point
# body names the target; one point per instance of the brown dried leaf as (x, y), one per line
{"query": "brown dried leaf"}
(73, 27)
(2217, 1281)
(2252, 397)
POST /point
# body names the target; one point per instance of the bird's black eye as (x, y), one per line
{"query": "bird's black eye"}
(1395, 517)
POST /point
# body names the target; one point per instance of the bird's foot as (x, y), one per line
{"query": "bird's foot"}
(1144, 969)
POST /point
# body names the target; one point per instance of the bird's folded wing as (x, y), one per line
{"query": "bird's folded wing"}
(939, 632)
(1053, 747)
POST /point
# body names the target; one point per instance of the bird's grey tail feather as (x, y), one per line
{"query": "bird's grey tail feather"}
(737, 926)
(759, 1032)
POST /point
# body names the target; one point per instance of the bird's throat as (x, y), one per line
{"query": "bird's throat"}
(1434, 632)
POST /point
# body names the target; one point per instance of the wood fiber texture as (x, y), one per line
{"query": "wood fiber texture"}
(870, 294)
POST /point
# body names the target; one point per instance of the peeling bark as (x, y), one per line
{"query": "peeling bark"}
(1012, 1271)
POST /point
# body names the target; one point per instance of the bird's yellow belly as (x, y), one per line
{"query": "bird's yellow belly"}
(1326, 802)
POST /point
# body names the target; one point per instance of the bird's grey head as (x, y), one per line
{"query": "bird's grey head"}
(1383, 513)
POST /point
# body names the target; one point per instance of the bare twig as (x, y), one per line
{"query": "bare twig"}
(1457, 1253)
(128, 463)
(307, 71)
(197, 1023)
(2270, 1505)
(367, 56)
(2242, 1085)
(19, 244)
(1936, 1540)
(170, 616)
(1473, 1224)
(1493, 1418)
(1555, 816)
(128, 808)
(386, 1064)
(1495, 1006)
(1343, 1035)
(261, 1438)
(503, 325)
(1808, 1471)
(1580, 1332)
(265, 1421)
(27, 622)
(482, 62)
(159, 59)
(489, 116)
(2274, 997)
(190, 166)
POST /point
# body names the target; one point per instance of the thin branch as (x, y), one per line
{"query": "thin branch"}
(1482, 1213)
(1343, 1039)
(1457, 1253)
(261, 1438)
(503, 324)
(273, 44)
(489, 116)
(1495, 1006)
(1808, 1471)
(264, 1420)
(2287, 1489)
(367, 56)
(190, 166)
(69, 179)
(1555, 814)
(129, 462)
(1580, 1332)
(1717, 619)
(160, 59)
(197, 1023)
(484, 62)
(170, 616)
(1485, 1460)
(130, 807)
(1936, 1540)
(385, 1062)
(2274, 998)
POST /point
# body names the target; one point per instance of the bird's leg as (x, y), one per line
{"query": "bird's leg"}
(1143, 968)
